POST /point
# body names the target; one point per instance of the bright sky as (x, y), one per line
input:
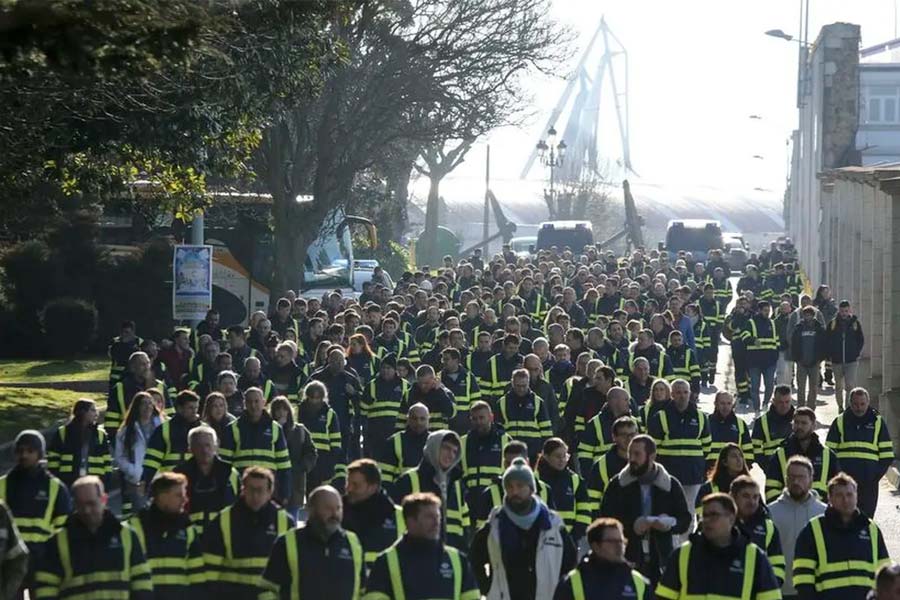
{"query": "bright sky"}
(698, 70)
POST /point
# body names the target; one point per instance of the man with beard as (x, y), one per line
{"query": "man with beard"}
(369, 511)
(651, 506)
(795, 507)
(597, 437)
(481, 456)
(754, 523)
(319, 560)
(718, 562)
(614, 460)
(438, 474)
(803, 441)
(839, 552)
(525, 544)
(604, 573)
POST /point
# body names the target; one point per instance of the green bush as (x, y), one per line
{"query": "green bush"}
(69, 325)
(72, 264)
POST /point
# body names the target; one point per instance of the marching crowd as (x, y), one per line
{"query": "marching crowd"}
(509, 428)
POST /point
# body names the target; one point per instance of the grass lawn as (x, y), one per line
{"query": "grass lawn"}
(35, 408)
(45, 371)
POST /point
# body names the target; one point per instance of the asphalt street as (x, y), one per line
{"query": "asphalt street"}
(888, 512)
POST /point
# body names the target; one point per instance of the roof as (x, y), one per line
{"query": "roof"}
(886, 176)
(878, 48)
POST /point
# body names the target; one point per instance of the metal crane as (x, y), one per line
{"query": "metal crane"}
(581, 130)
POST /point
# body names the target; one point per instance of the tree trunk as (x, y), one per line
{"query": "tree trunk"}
(429, 252)
(396, 212)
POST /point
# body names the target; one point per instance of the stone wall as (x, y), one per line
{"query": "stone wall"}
(825, 139)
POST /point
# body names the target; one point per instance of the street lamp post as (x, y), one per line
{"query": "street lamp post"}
(552, 155)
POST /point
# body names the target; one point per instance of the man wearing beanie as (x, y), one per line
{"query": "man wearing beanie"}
(525, 543)
(438, 474)
(39, 502)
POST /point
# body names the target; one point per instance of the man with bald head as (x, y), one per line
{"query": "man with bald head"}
(319, 560)
(597, 437)
(403, 450)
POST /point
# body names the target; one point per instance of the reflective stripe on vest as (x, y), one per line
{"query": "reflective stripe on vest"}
(690, 452)
(225, 526)
(36, 529)
(768, 343)
(822, 564)
(821, 484)
(578, 584)
(356, 551)
(65, 559)
(749, 573)
(857, 449)
(393, 563)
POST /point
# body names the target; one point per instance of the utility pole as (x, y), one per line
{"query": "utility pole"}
(485, 233)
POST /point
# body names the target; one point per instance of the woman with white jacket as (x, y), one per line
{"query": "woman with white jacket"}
(141, 419)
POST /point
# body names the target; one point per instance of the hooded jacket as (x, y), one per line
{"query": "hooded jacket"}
(790, 517)
(443, 483)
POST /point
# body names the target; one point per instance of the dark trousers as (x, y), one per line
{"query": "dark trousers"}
(741, 374)
(867, 496)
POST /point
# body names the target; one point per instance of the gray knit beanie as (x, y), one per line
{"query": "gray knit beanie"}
(519, 471)
(32, 438)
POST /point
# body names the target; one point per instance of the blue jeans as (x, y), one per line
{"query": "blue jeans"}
(767, 375)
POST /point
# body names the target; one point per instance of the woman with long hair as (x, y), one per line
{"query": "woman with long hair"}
(215, 413)
(140, 421)
(567, 490)
(80, 447)
(660, 328)
(320, 358)
(301, 448)
(360, 358)
(730, 464)
(159, 401)
(660, 394)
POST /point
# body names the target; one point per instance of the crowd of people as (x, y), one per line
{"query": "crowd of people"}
(513, 427)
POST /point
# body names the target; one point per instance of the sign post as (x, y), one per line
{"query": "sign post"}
(191, 282)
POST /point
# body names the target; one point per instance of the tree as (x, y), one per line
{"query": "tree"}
(439, 162)
(415, 73)
(96, 95)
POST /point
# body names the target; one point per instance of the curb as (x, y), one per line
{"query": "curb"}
(86, 387)
(893, 475)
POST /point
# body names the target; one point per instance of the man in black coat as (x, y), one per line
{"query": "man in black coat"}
(651, 506)
(844, 340)
(807, 349)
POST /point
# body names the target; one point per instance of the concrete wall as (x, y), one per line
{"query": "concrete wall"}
(861, 219)
(825, 139)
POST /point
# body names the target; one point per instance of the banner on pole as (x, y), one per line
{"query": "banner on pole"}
(191, 282)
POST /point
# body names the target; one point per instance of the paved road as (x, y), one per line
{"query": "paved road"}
(888, 513)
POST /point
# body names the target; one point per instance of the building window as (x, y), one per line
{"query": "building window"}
(882, 105)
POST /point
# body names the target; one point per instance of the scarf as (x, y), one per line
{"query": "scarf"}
(525, 521)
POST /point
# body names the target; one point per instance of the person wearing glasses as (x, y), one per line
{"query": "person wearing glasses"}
(718, 562)
(604, 573)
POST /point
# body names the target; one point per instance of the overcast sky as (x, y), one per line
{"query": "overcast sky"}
(698, 70)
